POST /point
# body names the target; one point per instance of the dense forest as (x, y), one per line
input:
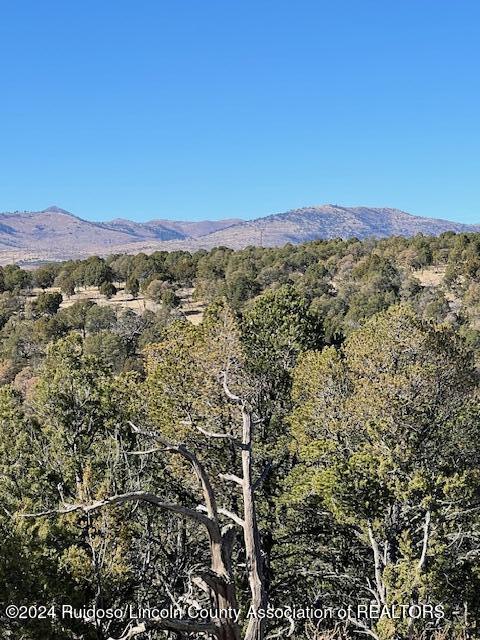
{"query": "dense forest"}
(306, 456)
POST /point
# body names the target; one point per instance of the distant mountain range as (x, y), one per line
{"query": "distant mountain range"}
(56, 234)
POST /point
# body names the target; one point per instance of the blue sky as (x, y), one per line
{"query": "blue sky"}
(205, 109)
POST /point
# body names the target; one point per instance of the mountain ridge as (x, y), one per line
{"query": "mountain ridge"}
(57, 234)
(330, 221)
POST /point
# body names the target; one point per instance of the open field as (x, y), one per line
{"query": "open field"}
(193, 310)
(430, 276)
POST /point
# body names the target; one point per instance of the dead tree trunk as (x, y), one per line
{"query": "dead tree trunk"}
(256, 573)
(217, 581)
(251, 535)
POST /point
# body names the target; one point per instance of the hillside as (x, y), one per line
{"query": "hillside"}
(313, 223)
(56, 234)
(330, 221)
(169, 229)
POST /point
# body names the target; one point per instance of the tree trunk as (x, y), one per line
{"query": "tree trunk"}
(223, 587)
(256, 577)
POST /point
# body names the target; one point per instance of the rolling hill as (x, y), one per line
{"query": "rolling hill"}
(331, 221)
(56, 234)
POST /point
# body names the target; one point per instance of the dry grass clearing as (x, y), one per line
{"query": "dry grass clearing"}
(433, 277)
(430, 276)
(193, 310)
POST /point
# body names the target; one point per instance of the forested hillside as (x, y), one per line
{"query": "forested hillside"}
(309, 450)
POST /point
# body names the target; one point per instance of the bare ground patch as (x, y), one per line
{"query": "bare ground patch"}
(192, 309)
(430, 276)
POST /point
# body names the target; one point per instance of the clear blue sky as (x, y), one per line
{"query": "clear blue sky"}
(201, 108)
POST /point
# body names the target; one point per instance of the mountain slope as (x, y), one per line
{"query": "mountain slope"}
(56, 234)
(53, 228)
(330, 221)
(158, 229)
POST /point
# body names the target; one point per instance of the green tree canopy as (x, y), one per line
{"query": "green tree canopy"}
(386, 429)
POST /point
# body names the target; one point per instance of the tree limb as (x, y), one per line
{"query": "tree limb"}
(199, 469)
(133, 496)
(216, 435)
(227, 391)
(231, 477)
(377, 560)
(226, 513)
(426, 534)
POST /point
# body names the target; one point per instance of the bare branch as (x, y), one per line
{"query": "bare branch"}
(230, 477)
(144, 452)
(228, 536)
(134, 496)
(426, 534)
(209, 434)
(202, 475)
(226, 513)
(377, 559)
(253, 551)
(372, 591)
(226, 389)
(215, 435)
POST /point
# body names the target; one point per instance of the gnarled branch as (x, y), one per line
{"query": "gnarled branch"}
(199, 469)
(133, 496)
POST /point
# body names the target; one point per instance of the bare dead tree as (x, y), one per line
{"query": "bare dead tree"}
(256, 573)
(217, 580)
